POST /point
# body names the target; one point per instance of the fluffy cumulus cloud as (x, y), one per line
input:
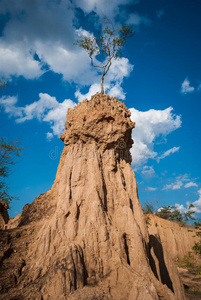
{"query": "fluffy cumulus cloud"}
(174, 185)
(149, 126)
(46, 109)
(38, 36)
(41, 39)
(179, 182)
(30, 24)
(196, 205)
(181, 208)
(186, 88)
(15, 60)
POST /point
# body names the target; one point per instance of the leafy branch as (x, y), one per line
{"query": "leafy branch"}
(106, 46)
(8, 152)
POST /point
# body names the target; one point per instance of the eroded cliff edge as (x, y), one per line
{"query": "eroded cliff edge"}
(93, 242)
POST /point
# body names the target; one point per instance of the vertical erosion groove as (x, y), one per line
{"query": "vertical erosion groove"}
(85, 273)
(70, 193)
(123, 179)
(131, 204)
(126, 248)
(104, 185)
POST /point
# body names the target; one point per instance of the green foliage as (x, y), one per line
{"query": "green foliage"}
(198, 226)
(106, 46)
(8, 153)
(148, 208)
(197, 247)
(189, 215)
(190, 262)
(148, 221)
(170, 213)
(187, 261)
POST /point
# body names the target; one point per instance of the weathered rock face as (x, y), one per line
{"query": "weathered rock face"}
(178, 240)
(95, 244)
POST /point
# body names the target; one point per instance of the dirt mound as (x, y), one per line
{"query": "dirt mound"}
(93, 242)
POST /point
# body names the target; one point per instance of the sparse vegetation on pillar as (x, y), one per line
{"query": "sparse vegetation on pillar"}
(105, 47)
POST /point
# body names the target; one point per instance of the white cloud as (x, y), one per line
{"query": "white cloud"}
(197, 204)
(81, 33)
(150, 189)
(190, 184)
(45, 22)
(168, 152)
(137, 20)
(94, 88)
(149, 126)
(57, 116)
(116, 91)
(8, 103)
(103, 7)
(179, 182)
(18, 61)
(49, 136)
(148, 172)
(38, 109)
(119, 69)
(186, 88)
(74, 65)
(174, 186)
(159, 13)
(46, 109)
(42, 38)
(181, 208)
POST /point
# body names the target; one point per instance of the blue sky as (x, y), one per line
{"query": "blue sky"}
(159, 78)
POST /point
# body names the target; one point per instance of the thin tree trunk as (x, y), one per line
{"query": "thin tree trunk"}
(102, 79)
